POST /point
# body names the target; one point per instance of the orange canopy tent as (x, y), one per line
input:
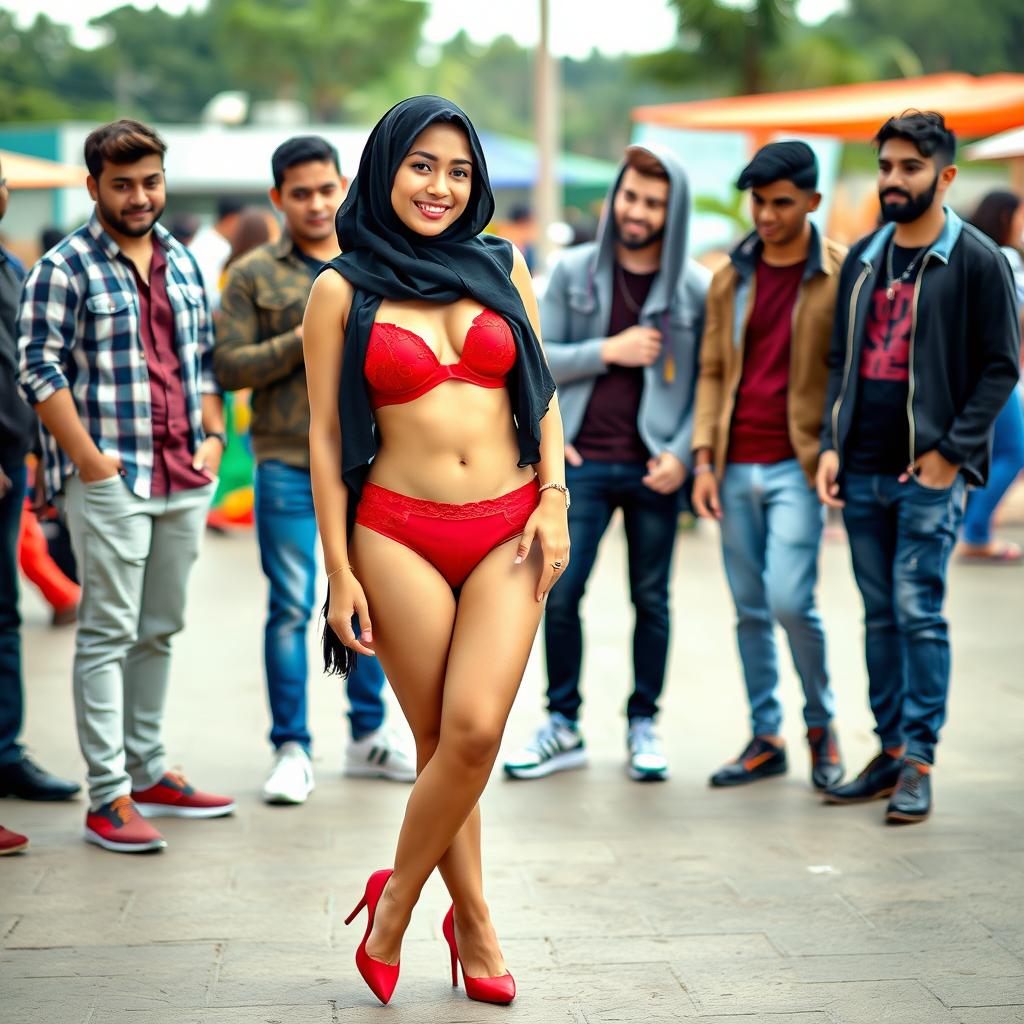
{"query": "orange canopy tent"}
(33, 172)
(972, 107)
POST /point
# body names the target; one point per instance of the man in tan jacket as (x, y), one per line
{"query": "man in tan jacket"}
(759, 404)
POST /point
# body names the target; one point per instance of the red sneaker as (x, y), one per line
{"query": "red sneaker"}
(118, 826)
(173, 797)
(11, 842)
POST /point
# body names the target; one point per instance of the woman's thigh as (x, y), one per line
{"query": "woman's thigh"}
(412, 612)
(495, 626)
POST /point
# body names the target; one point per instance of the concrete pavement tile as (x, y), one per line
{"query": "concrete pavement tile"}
(992, 1015)
(766, 987)
(51, 1007)
(292, 972)
(161, 963)
(921, 916)
(984, 991)
(108, 928)
(638, 949)
(977, 961)
(802, 1017)
(276, 1014)
(622, 992)
(139, 991)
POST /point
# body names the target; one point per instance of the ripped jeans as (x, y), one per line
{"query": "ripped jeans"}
(901, 536)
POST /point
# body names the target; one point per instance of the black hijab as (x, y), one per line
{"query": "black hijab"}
(383, 259)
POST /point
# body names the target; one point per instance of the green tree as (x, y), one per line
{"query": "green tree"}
(160, 65)
(728, 48)
(977, 38)
(321, 52)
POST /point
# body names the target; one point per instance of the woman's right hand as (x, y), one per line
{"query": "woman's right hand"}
(346, 598)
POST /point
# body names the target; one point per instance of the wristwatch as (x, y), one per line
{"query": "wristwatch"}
(223, 438)
(555, 487)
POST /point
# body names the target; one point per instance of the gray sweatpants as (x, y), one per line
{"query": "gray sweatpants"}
(134, 557)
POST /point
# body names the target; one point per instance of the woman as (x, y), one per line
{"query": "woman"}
(1000, 215)
(438, 480)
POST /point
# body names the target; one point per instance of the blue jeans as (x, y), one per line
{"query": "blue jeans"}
(598, 488)
(901, 536)
(1007, 462)
(287, 534)
(12, 699)
(771, 532)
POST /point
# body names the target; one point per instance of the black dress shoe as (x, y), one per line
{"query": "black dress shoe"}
(826, 760)
(759, 760)
(26, 780)
(878, 779)
(912, 799)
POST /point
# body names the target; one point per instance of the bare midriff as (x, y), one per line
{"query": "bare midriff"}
(456, 443)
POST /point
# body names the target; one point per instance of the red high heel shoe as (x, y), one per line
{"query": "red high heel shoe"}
(484, 990)
(382, 978)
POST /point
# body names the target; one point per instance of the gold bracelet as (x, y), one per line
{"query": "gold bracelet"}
(334, 572)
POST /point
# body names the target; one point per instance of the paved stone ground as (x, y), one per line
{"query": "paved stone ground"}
(615, 901)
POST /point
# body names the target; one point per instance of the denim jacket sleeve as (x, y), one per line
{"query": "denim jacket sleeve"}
(568, 359)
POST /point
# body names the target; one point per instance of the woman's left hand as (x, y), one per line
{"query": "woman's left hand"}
(549, 525)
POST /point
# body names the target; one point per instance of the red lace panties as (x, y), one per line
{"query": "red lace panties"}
(452, 538)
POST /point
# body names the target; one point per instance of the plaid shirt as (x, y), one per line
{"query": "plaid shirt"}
(79, 329)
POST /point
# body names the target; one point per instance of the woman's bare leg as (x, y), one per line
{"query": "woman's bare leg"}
(413, 650)
(495, 625)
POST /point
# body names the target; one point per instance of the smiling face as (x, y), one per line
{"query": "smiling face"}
(640, 208)
(130, 197)
(780, 211)
(432, 185)
(309, 197)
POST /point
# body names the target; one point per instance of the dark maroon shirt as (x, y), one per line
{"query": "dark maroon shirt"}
(172, 433)
(609, 432)
(760, 425)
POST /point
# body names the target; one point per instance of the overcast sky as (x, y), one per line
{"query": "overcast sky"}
(648, 25)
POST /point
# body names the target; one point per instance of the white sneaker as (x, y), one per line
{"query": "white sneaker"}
(647, 761)
(379, 756)
(555, 748)
(291, 779)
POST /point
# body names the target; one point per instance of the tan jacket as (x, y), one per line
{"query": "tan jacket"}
(729, 302)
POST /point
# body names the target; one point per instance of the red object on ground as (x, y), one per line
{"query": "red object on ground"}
(11, 842)
(119, 826)
(60, 593)
(174, 797)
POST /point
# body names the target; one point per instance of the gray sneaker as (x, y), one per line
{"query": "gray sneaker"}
(556, 747)
(647, 761)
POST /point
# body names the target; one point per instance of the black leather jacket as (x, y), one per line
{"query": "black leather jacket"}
(964, 345)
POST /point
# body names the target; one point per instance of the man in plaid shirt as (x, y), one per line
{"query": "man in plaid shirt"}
(115, 346)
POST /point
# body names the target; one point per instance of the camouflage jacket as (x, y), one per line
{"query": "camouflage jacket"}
(259, 347)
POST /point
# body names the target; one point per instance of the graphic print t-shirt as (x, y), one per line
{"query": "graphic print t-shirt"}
(879, 439)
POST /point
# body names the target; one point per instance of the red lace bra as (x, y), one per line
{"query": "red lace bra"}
(400, 366)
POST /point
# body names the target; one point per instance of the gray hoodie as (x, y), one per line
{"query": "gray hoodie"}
(577, 305)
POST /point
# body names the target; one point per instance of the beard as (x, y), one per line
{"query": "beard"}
(911, 207)
(125, 227)
(641, 241)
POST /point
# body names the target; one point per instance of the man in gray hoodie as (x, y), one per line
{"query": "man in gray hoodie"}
(622, 319)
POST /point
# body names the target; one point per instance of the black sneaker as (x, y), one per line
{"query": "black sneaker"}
(912, 799)
(826, 761)
(877, 780)
(759, 760)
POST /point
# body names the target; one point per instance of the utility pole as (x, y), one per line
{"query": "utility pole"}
(547, 191)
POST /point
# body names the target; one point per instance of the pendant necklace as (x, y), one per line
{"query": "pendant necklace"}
(894, 281)
(627, 295)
